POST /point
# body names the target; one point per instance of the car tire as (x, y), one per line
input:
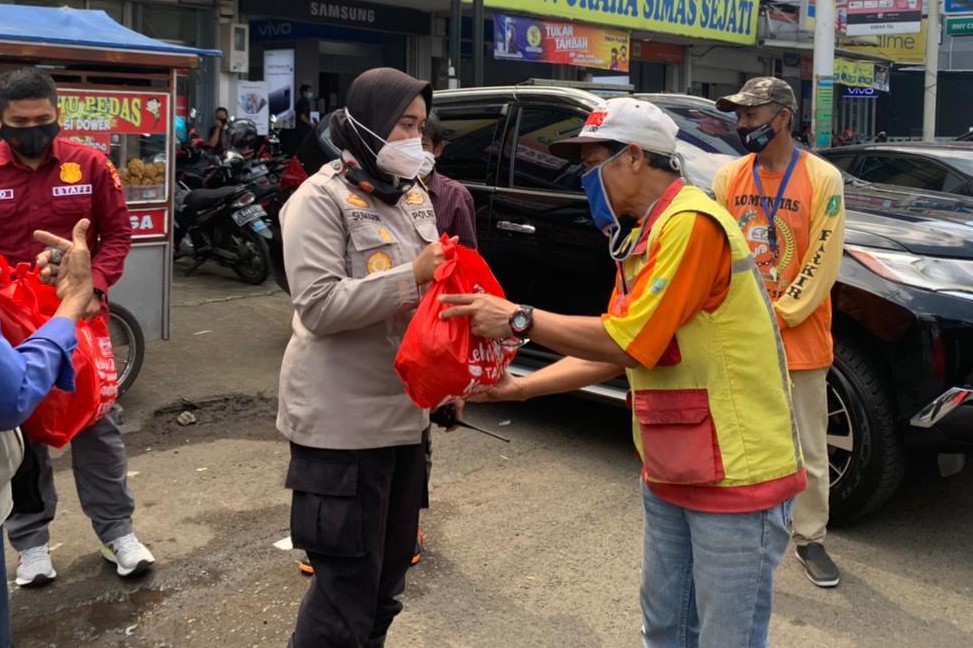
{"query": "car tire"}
(866, 456)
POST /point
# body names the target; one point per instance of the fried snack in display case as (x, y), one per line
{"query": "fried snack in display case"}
(143, 179)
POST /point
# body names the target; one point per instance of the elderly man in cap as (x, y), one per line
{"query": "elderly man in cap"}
(790, 207)
(691, 326)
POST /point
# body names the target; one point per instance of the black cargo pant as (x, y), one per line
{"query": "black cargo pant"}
(356, 514)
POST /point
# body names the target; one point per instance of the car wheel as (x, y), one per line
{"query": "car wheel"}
(865, 451)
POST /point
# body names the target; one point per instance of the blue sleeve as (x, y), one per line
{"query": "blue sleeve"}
(28, 372)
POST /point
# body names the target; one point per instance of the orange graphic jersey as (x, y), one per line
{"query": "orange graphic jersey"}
(810, 224)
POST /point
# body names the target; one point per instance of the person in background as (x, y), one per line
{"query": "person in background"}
(455, 213)
(217, 134)
(42, 361)
(53, 184)
(791, 208)
(302, 111)
(690, 325)
(455, 216)
(360, 242)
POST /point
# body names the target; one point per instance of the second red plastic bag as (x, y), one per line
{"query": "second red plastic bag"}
(25, 305)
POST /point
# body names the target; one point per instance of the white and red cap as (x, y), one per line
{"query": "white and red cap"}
(626, 120)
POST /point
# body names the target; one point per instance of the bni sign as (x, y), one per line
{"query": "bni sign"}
(859, 93)
(959, 26)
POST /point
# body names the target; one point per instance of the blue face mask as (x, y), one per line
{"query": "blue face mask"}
(602, 212)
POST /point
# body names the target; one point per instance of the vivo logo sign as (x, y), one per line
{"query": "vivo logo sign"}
(270, 28)
(861, 93)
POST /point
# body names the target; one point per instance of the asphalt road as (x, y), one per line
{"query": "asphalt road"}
(535, 543)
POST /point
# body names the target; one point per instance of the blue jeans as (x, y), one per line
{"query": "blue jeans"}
(6, 641)
(708, 578)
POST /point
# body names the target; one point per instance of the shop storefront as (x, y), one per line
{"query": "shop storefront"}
(333, 42)
(705, 49)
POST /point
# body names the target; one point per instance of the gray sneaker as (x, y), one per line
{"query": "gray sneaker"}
(818, 566)
(35, 568)
(130, 556)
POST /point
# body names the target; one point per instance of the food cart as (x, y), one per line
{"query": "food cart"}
(116, 92)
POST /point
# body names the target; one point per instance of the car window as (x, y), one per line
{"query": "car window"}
(902, 170)
(469, 134)
(536, 167)
(955, 183)
(708, 130)
(843, 162)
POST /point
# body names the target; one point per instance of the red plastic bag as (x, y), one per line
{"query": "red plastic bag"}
(441, 360)
(25, 305)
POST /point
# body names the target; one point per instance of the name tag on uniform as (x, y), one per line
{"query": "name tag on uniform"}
(72, 190)
(6, 194)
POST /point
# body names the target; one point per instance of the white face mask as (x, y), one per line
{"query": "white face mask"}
(401, 159)
(428, 164)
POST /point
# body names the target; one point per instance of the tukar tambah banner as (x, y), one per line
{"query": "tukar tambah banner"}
(520, 38)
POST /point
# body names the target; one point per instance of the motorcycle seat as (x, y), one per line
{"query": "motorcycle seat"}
(200, 199)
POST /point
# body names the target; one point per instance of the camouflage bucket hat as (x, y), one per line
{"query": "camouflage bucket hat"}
(760, 91)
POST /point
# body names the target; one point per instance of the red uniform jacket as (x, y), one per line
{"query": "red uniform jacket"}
(75, 182)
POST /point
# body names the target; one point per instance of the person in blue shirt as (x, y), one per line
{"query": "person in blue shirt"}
(29, 370)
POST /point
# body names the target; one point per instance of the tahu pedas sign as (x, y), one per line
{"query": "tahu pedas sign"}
(117, 113)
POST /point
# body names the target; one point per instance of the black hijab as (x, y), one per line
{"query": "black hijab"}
(376, 99)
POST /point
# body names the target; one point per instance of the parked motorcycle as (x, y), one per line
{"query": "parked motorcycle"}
(225, 225)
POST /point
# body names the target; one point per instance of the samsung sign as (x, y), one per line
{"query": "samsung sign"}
(859, 93)
(341, 13)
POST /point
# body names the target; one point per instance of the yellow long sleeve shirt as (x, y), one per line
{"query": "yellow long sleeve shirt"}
(810, 224)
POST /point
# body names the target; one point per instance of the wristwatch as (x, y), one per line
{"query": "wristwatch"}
(521, 321)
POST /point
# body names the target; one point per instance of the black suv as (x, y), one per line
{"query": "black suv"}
(903, 305)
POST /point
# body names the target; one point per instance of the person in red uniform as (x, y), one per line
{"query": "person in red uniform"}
(49, 183)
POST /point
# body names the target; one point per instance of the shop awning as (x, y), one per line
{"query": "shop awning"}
(81, 28)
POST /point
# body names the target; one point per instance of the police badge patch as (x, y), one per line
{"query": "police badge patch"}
(71, 172)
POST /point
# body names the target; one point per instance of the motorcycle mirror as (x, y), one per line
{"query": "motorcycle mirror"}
(232, 157)
(193, 113)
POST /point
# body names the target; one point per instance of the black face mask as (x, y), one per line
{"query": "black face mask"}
(756, 139)
(31, 142)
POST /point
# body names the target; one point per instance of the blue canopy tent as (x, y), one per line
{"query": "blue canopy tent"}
(85, 35)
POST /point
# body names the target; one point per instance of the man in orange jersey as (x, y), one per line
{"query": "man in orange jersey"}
(691, 326)
(790, 207)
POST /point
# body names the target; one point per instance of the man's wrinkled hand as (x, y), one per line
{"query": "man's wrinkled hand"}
(489, 315)
(72, 275)
(510, 388)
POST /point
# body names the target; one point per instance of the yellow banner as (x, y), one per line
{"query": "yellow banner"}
(858, 74)
(731, 21)
(899, 48)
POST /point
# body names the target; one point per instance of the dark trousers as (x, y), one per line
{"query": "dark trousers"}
(356, 514)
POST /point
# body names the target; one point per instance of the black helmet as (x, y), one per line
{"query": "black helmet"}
(242, 134)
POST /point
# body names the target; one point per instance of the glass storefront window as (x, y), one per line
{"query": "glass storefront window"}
(132, 128)
(172, 24)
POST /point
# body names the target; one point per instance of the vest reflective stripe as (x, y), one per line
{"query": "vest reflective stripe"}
(736, 355)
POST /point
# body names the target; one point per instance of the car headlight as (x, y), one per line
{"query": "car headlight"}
(953, 276)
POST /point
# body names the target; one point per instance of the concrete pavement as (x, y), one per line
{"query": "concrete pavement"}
(535, 543)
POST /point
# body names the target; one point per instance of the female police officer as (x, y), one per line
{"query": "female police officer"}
(359, 243)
